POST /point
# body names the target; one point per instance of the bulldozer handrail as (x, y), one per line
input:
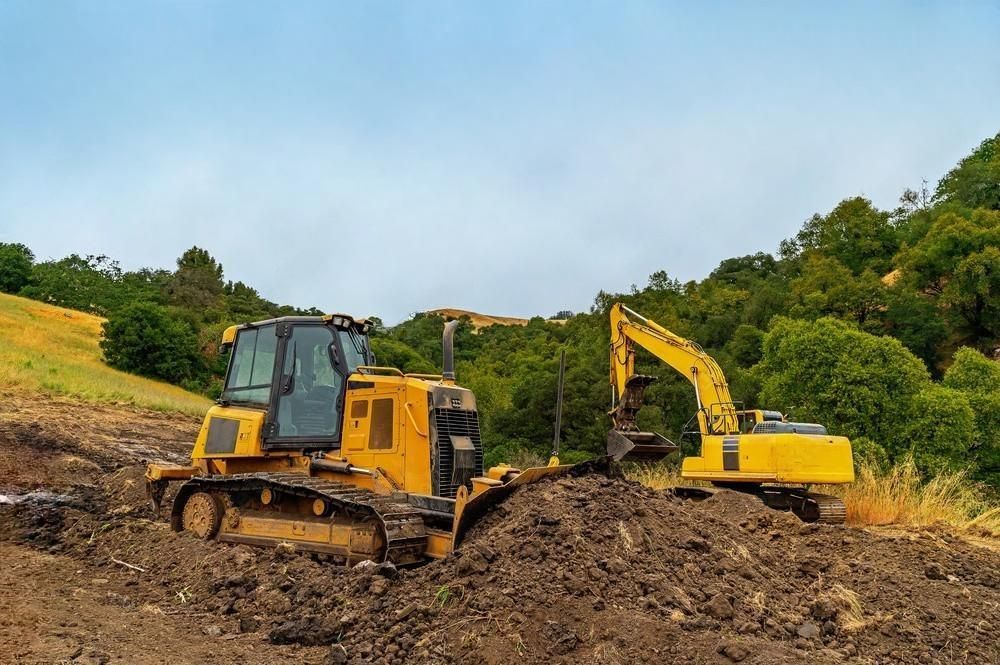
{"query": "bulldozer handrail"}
(372, 369)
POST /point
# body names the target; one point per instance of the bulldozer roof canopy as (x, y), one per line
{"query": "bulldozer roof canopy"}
(336, 320)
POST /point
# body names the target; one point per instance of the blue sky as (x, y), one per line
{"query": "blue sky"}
(512, 158)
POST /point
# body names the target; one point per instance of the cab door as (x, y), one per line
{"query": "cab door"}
(308, 407)
(374, 431)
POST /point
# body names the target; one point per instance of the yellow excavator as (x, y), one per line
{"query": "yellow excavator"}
(755, 451)
(313, 444)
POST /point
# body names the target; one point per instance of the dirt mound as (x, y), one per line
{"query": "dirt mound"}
(599, 570)
(588, 569)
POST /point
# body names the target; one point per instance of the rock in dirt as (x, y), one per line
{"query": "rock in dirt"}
(808, 631)
(719, 607)
(337, 655)
(734, 652)
(472, 561)
(934, 571)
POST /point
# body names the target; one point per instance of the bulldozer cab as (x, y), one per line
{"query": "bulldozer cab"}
(296, 370)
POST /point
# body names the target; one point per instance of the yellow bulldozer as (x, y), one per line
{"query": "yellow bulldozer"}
(313, 444)
(755, 451)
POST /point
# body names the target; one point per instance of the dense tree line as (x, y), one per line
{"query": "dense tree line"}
(882, 324)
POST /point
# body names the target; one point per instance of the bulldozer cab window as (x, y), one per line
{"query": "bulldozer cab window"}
(356, 349)
(251, 369)
(311, 388)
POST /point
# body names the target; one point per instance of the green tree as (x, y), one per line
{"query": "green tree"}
(975, 182)
(973, 293)
(197, 283)
(828, 287)
(854, 232)
(978, 378)
(90, 283)
(855, 383)
(16, 261)
(393, 353)
(938, 431)
(245, 304)
(146, 339)
(929, 263)
(916, 321)
(747, 345)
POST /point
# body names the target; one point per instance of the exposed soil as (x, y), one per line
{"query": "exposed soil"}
(586, 569)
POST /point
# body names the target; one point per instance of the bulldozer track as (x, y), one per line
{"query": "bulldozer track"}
(401, 524)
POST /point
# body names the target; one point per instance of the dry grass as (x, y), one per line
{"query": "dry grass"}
(657, 476)
(660, 476)
(850, 611)
(894, 497)
(53, 350)
(900, 497)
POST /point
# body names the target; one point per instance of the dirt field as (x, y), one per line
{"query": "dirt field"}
(589, 569)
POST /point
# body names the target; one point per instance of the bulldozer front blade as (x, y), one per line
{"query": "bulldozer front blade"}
(469, 510)
(639, 446)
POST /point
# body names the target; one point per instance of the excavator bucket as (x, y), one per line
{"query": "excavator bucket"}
(625, 441)
(639, 446)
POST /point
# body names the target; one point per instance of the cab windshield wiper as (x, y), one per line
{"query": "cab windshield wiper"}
(358, 343)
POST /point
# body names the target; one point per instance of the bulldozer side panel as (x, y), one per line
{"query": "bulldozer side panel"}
(374, 436)
(229, 431)
(386, 430)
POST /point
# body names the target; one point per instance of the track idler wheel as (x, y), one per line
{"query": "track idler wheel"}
(202, 515)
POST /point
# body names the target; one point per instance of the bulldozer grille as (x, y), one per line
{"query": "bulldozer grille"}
(458, 423)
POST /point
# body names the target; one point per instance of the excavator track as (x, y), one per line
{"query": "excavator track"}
(359, 523)
(808, 506)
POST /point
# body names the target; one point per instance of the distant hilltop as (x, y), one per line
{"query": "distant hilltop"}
(478, 320)
(485, 320)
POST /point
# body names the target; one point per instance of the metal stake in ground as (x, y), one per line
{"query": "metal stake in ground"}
(559, 405)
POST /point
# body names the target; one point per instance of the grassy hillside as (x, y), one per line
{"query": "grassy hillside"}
(54, 350)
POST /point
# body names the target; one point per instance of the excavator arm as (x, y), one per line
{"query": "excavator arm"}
(716, 412)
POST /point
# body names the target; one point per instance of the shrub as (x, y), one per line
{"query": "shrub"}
(146, 339)
(15, 266)
(978, 378)
(828, 372)
(938, 432)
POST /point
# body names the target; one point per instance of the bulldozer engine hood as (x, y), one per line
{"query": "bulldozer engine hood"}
(451, 397)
